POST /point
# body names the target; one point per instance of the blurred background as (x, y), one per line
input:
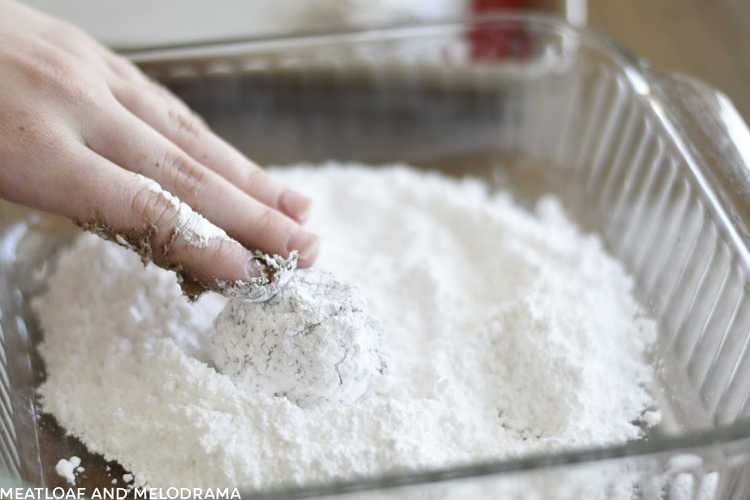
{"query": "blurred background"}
(708, 39)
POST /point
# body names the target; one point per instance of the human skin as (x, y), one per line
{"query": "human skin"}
(77, 122)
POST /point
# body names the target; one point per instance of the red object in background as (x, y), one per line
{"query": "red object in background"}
(484, 5)
(495, 39)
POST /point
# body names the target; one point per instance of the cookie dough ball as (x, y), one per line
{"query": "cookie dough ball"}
(313, 342)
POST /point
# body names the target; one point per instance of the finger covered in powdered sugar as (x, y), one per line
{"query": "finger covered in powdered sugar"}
(192, 228)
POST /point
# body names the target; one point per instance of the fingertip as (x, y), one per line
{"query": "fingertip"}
(295, 205)
(306, 243)
(220, 260)
(310, 258)
(253, 268)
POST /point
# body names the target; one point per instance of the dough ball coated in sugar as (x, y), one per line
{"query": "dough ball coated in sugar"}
(313, 342)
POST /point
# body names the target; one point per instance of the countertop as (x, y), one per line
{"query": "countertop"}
(706, 39)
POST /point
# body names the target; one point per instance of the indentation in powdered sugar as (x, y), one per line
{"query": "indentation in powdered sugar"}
(191, 226)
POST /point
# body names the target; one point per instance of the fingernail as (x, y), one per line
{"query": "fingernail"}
(295, 205)
(253, 268)
(306, 244)
(310, 257)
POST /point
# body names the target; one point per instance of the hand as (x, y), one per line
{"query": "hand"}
(78, 123)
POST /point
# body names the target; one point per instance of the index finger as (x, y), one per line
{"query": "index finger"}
(136, 212)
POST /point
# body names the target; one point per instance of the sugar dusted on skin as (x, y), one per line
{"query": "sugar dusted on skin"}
(192, 226)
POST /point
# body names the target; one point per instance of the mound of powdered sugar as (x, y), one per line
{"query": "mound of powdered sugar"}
(506, 332)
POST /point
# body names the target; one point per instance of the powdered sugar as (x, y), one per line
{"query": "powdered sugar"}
(67, 468)
(190, 225)
(506, 332)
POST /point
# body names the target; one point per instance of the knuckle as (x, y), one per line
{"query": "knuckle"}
(183, 121)
(72, 40)
(254, 178)
(41, 133)
(153, 207)
(50, 68)
(131, 97)
(57, 31)
(124, 68)
(185, 175)
(178, 117)
(221, 250)
(52, 71)
(175, 104)
(68, 81)
(267, 224)
(160, 90)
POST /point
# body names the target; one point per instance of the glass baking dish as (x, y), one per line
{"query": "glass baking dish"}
(654, 163)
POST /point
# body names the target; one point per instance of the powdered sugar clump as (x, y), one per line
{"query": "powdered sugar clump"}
(67, 468)
(506, 332)
(313, 342)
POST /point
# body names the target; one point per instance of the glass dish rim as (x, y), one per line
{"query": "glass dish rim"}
(635, 68)
(736, 432)
(171, 52)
